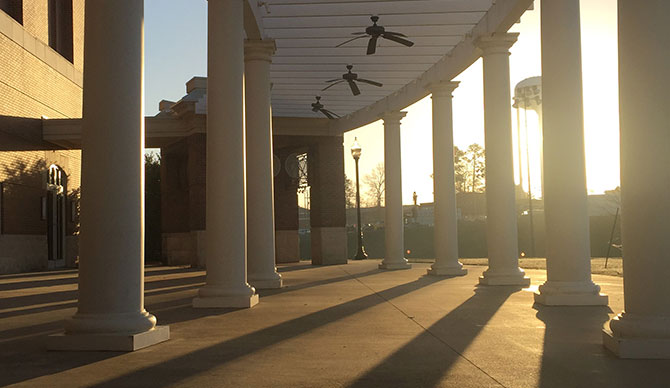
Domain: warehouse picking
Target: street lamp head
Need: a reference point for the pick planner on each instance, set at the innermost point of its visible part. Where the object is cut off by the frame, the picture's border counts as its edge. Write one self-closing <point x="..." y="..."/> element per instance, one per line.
<point x="356" y="149"/>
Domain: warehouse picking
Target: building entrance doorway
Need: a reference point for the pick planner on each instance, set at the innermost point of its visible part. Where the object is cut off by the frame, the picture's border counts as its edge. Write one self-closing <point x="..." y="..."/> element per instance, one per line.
<point x="55" y="209"/>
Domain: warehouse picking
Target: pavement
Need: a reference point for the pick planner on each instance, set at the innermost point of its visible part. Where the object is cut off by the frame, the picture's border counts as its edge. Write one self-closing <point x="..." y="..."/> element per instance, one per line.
<point x="348" y="325"/>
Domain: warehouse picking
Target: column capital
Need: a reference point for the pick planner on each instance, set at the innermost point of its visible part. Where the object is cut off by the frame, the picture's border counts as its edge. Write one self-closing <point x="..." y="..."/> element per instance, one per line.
<point x="393" y="117"/>
<point x="259" y="50"/>
<point x="442" y="88"/>
<point x="496" y="43"/>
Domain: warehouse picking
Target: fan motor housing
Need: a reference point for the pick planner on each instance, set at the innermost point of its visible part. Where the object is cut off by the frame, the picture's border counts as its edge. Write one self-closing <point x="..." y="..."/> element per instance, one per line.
<point x="375" y="30"/>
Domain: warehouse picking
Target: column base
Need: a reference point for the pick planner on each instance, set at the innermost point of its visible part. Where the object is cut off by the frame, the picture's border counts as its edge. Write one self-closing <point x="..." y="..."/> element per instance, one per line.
<point x="636" y="348"/>
<point x="447" y="271"/>
<point x="216" y="296"/>
<point x="266" y="284"/>
<point x="516" y="278"/>
<point x="287" y="246"/>
<point x="638" y="336"/>
<point x="108" y="342"/>
<point x="395" y="265"/>
<point x="557" y="293"/>
<point x="571" y="299"/>
<point x="329" y="245"/>
<point x="233" y="301"/>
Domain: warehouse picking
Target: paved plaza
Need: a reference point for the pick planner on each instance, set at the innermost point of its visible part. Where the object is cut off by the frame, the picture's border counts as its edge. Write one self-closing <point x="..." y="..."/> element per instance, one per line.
<point x="333" y="326"/>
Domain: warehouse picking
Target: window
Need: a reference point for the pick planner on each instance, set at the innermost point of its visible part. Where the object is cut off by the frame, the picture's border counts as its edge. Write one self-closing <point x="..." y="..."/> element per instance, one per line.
<point x="13" y="8"/>
<point x="60" y="27"/>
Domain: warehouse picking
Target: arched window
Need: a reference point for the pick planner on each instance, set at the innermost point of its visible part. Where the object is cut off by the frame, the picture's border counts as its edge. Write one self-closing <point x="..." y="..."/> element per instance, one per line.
<point x="56" y="179"/>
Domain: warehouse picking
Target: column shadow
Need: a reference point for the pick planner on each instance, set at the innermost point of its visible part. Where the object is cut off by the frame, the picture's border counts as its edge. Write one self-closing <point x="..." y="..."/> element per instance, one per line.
<point x="574" y="356"/>
<point x="424" y="361"/>
<point x="24" y="346"/>
<point x="297" y="267"/>
<point x="316" y="283"/>
<point x="200" y="361"/>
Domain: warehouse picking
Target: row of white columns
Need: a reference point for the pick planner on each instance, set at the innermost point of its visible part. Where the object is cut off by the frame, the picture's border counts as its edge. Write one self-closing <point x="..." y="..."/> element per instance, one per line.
<point x="643" y="330"/>
<point x="111" y="314"/>
<point x="501" y="207"/>
<point x="236" y="178"/>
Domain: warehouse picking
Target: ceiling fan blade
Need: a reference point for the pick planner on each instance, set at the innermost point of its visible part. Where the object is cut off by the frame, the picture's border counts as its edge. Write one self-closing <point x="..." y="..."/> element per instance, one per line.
<point x="372" y="45"/>
<point x="359" y="33"/>
<point x="398" y="40"/>
<point x="331" y="85"/>
<point x="331" y="112"/>
<point x="327" y="114"/>
<point x="333" y="80"/>
<point x="395" y="33"/>
<point x="354" y="88"/>
<point x="367" y="81"/>
<point x="350" y="40"/>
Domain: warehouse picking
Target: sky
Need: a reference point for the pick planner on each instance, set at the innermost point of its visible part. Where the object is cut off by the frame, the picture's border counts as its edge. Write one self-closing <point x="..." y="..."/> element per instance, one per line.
<point x="175" y="51"/>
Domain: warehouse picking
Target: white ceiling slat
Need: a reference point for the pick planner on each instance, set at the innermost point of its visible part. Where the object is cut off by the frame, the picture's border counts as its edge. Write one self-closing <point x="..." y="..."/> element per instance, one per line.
<point x="421" y="41"/>
<point x="307" y="31"/>
<point x="342" y="91"/>
<point x="280" y="76"/>
<point x="325" y="101"/>
<point x="338" y="68"/>
<point x="353" y="51"/>
<point x="288" y="31"/>
<point x="311" y="82"/>
<point x="330" y="97"/>
<point x="424" y="59"/>
<point x="318" y="88"/>
<point x="375" y="8"/>
<point x="391" y="22"/>
<point x="308" y="2"/>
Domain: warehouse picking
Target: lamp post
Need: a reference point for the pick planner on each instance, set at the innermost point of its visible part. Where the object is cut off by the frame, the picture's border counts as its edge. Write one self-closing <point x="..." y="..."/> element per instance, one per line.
<point x="360" y="252"/>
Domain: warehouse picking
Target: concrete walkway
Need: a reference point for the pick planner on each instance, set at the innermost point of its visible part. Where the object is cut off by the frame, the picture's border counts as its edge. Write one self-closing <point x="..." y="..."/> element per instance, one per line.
<point x="339" y="326"/>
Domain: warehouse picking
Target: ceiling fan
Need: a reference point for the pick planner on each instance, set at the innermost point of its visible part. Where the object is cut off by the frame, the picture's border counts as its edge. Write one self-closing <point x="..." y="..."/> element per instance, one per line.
<point x="351" y="79"/>
<point x="375" y="32"/>
<point x="318" y="107"/>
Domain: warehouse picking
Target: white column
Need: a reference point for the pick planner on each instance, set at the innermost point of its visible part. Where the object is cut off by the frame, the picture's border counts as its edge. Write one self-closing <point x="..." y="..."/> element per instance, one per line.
<point x="111" y="314"/>
<point x="226" y="284"/>
<point x="565" y="202"/>
<point x="394" y="257"/>
<point x="260" y="193"/>
<point x="446" y="222"/>
<point x="643" y="330"/>
<point x="501" y="217"/>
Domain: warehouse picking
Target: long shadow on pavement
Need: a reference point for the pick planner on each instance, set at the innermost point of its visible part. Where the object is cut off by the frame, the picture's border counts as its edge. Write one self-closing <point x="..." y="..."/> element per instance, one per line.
<point x="25" y="345"/>
<point x="295" y="267"/>
<point x="200" y="361"/>
<point x="574" y="355"/>
<point x="425" y="360"/>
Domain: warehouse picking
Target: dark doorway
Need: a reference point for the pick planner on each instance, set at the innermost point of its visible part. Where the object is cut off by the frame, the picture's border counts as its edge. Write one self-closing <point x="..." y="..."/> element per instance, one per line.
<point x="55" y="209"/>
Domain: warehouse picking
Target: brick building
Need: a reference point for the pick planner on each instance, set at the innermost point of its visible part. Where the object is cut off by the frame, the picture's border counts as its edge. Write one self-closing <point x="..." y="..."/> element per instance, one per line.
<point x="183" y="172"/>
<point x="41" y="63"/>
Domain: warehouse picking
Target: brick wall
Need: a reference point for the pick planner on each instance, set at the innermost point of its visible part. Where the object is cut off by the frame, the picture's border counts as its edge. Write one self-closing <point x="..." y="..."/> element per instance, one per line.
<point x="326" y="178"/>
<point x="30" y="89"/>
<point x="175" y="188"/>
<point x="36" y="18"/>
<point x="197" y="177"/>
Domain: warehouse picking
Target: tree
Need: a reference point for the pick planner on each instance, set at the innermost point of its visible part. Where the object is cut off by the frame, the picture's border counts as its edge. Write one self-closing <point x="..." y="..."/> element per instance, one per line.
<point x="375" y="181"/>
<point x="349" y="193"/>
<point x="475" y="166"/>
<point x="460" y="170"/>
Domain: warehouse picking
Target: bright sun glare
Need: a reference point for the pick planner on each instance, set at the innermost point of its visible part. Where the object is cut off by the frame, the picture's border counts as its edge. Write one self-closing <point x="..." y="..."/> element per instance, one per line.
<point x="601" y="119"/>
